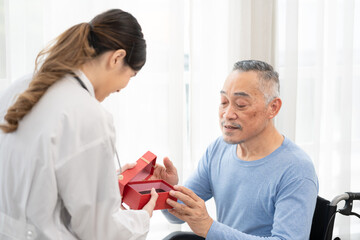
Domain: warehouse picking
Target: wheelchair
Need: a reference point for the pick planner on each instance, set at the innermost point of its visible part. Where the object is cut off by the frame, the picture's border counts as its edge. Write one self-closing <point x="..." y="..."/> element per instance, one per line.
<point x="322" y="223"/>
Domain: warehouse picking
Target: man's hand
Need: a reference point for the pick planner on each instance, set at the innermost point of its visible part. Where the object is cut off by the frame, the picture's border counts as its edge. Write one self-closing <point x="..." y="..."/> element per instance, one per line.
<point x="193" y="212"/>
<point x="167" y="173"/>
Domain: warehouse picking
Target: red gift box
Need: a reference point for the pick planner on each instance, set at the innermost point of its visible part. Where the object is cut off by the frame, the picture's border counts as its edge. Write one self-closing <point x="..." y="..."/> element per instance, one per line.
<point x="135" y="186"/>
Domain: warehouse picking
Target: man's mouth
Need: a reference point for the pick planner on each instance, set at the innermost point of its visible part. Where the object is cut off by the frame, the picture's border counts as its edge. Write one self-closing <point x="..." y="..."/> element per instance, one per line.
<point x="231" y="126"/>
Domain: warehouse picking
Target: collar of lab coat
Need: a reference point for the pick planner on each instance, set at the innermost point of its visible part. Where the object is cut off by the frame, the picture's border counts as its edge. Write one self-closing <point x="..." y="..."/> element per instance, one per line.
<point x="86" y="81"/>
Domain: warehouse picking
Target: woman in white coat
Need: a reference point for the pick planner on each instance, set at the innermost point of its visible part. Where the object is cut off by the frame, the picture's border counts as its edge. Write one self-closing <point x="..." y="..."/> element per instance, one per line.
<point x="57" y="144"/>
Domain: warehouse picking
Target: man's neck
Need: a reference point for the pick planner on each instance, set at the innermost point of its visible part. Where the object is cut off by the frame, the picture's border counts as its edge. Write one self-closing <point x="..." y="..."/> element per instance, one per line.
<point x="260" y="146"/>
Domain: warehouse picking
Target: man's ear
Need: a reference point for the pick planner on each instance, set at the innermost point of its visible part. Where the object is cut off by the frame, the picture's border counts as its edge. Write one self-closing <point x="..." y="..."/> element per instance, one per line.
<point x="117" y="57"/>
<point x="274" y="107"/>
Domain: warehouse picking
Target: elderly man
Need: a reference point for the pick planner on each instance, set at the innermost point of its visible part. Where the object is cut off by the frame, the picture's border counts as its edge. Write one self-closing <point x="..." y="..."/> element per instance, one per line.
<point x="264" y="185"/>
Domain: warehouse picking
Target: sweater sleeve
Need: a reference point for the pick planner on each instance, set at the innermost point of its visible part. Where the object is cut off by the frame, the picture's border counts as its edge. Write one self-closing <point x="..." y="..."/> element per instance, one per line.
<point x="199" y="183"/>
<point x="294" y="209"/>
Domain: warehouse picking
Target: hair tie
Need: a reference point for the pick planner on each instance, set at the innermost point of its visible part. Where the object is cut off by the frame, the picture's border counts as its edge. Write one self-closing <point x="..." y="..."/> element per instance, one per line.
<point x="91" y="26"/>
<point x="91" y="37"/>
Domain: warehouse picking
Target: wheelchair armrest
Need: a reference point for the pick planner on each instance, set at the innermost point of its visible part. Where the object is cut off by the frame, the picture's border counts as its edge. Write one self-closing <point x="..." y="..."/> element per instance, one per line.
<point x="179" y="235"/>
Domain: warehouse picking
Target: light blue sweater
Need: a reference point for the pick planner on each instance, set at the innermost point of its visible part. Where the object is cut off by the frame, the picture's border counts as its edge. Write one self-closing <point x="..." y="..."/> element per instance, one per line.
<point x="271" y="198"/>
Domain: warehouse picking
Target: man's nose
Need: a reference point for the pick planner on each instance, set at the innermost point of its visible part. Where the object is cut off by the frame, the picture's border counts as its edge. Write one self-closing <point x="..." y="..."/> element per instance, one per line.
<point x="229" y="113"/>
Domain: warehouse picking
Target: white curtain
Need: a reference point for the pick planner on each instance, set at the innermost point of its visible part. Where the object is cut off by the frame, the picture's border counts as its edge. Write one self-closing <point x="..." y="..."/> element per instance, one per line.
<point x="318" y="56"/>
<point x="171" y="107"/>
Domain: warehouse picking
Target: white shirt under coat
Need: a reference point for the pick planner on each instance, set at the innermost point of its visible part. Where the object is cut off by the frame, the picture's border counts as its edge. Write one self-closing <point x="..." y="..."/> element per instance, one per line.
<point x="57" y="173"/>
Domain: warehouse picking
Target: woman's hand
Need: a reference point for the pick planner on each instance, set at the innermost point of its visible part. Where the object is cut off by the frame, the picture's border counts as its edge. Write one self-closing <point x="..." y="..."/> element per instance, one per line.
<point x="168" y="173"/>
<point x="149" y="207"/>
<point x="125" y="167"/>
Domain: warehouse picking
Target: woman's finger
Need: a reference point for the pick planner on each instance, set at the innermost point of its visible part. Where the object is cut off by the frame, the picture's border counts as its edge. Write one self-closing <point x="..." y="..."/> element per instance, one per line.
<point x="149" y="207"/>
<point x="122" y="207"/>
<point x="128" y="166"/>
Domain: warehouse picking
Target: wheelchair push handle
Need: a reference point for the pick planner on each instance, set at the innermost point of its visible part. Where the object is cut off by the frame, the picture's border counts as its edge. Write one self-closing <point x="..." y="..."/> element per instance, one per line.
<point x="345" y="196"/>
<point x="354" y="195"/>
<point x="349" y="197"/>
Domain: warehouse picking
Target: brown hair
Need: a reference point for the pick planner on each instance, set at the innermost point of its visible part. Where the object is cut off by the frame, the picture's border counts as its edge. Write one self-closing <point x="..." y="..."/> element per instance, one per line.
<point x="111" y="30"/>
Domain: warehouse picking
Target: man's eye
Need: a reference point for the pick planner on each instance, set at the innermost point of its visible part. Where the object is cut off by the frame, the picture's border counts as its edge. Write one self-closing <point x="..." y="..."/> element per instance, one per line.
<point x="241" y="106"/>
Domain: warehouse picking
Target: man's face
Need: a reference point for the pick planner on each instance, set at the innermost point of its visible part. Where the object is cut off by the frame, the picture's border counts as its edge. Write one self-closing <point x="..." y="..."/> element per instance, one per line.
<point x="243" y="110"/>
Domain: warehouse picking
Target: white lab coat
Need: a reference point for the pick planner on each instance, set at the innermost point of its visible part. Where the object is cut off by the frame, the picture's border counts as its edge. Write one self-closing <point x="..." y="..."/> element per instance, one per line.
<point x="57" y="172"/>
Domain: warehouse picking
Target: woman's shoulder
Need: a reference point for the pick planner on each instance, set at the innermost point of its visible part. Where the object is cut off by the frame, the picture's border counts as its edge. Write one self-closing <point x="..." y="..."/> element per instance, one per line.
<point x="69" y="96"/>
<point x="71" y="106"/>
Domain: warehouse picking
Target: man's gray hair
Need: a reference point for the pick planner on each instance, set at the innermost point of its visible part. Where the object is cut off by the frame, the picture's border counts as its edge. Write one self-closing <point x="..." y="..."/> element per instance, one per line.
<point x="268" y="78"/>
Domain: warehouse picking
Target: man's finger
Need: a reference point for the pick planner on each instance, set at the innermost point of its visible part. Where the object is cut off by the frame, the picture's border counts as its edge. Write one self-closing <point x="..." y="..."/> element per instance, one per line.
<point x="178" y="215"/>
<point x="188" y="201"/>
<point x="178" y="207"/>
<point x="169" y="165"/>
<point x="187" y="192"/>
<point x="173" y="203"/>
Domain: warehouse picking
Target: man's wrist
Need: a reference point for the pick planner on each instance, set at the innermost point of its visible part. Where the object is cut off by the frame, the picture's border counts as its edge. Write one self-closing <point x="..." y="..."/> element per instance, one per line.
<point x="208" y="224"/>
